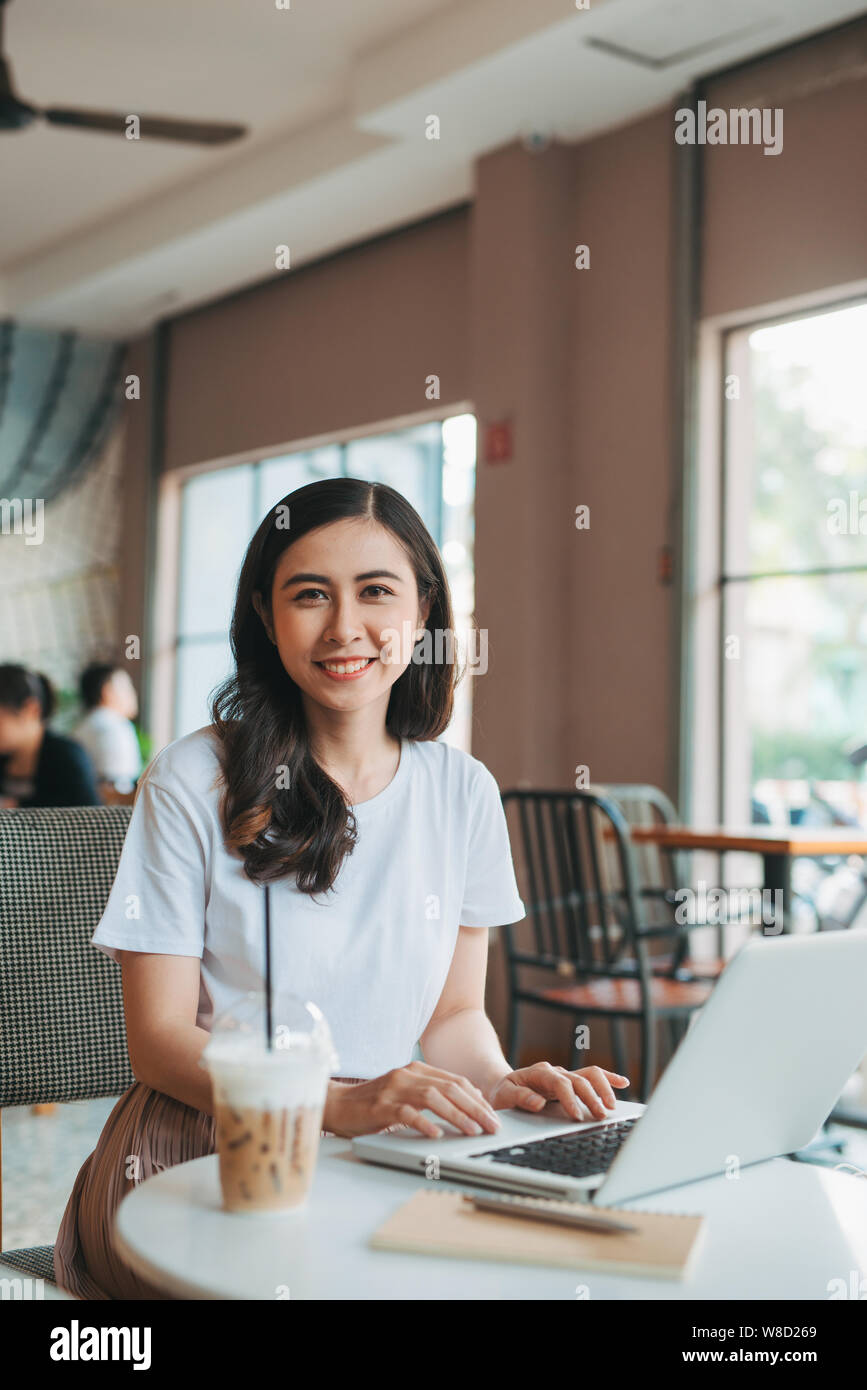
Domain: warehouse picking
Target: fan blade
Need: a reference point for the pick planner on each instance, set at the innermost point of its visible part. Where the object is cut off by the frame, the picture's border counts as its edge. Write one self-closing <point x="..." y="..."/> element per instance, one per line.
<point x="150" y="127"/>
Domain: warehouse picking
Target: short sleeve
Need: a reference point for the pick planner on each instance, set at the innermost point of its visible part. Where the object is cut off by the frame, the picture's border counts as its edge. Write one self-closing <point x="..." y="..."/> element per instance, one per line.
<point x="491" y="897"/>
<point x="157" y="902"/>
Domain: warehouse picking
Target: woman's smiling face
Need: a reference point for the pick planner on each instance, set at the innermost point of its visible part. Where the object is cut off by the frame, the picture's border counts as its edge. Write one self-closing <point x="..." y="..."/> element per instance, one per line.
<point x="338" y="594"/>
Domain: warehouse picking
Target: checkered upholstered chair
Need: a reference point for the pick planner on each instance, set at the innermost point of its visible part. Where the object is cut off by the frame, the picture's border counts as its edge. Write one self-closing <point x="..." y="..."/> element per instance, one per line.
<point x="62" y="1033"/>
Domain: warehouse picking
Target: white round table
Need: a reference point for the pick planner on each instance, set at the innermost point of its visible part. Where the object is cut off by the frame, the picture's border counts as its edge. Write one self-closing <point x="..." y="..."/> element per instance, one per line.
<point x="781" y="1230"/>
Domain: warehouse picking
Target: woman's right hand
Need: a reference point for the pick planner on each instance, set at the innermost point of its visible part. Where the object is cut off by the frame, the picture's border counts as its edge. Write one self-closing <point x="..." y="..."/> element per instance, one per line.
<point x="399" y="1097"/>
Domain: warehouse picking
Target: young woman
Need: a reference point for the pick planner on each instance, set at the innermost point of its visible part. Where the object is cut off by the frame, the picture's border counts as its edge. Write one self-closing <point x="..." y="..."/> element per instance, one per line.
<point x="37" y="766"/>
<point x="323" y="775"/>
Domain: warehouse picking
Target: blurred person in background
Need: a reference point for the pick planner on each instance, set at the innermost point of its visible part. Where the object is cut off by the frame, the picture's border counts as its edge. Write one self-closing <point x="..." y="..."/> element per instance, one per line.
<point x="107" y="731"/>
<point x="37" y="766"/>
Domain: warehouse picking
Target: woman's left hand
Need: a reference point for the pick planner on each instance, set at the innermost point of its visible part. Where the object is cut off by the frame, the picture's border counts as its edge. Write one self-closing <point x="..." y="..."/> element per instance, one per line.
<point x="531" y="1087"/>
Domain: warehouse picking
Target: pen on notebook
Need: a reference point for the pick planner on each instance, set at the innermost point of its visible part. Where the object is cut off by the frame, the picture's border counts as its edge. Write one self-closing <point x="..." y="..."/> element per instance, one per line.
<point x="512" y="1206"/>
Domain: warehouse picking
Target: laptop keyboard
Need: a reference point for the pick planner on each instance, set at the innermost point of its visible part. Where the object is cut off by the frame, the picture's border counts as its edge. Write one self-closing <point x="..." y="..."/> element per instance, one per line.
<point x="576" y="1155"/>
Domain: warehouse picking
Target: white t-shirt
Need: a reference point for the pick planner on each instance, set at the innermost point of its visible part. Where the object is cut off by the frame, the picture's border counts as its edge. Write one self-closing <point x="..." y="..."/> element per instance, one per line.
<point x="111" y="742"/>
<point x="432" y="855"/>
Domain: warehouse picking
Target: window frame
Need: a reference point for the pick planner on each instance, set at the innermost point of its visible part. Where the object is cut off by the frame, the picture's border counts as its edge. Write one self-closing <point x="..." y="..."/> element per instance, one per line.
<point x="703" y="693"/>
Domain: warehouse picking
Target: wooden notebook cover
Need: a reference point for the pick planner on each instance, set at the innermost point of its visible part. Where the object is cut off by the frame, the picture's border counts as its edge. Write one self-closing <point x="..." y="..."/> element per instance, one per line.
<point x="442" y="1223"/>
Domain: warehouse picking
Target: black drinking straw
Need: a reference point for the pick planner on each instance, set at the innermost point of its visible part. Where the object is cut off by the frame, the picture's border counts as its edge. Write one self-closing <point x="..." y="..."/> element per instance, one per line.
<point x="268" y="1042"/>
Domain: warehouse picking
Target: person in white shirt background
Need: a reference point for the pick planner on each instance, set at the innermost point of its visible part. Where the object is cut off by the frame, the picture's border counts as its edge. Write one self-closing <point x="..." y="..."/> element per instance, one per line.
<point x="323" y="775"/>
<point x="107" y="731"/>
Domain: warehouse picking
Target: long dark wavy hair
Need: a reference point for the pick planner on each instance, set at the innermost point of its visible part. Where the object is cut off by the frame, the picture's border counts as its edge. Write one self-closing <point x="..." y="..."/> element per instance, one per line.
<point x="305" y="827"/>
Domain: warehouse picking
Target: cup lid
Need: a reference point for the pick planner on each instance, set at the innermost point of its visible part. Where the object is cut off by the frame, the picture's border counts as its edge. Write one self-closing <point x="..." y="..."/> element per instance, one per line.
<point x="298" y="1028"/>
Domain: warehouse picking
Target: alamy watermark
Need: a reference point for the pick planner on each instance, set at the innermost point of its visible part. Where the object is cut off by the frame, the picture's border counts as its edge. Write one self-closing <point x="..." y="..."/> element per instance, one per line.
<point x="18" y="1287"/>
<point x="847" y="516"/>
<point x="441" y="647"/>
<point x="16" y="518"/>
<point x="739" y="126"/>
<point x="83" y="1343"/>
<point x="718" y="907"/>
<point x="854" y="1288"/>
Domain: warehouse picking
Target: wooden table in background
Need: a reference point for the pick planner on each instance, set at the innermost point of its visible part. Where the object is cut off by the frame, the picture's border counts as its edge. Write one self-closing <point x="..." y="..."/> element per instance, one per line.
<point x="778" y="846"/>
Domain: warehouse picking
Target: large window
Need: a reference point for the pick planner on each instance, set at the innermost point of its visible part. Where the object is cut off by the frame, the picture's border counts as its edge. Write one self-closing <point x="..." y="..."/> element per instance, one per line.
<point x="432" y="464"/>
<point x="794" y="569"/>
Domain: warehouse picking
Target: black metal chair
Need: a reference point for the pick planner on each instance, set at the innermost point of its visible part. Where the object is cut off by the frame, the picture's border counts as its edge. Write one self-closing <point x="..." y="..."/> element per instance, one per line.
<point x="575" y="859"/>
<point x="662" y="872"/>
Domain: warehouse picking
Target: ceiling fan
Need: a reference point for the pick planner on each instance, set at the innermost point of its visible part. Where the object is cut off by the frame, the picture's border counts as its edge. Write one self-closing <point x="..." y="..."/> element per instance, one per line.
<point x="17" y="115"/>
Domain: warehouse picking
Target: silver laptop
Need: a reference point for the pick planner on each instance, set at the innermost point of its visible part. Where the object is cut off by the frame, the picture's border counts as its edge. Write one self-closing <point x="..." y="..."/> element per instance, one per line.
<point x="757" y="1074"/>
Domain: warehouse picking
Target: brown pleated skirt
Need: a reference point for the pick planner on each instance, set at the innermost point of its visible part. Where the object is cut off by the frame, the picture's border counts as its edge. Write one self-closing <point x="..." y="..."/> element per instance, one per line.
<point x="145" y="1133"/>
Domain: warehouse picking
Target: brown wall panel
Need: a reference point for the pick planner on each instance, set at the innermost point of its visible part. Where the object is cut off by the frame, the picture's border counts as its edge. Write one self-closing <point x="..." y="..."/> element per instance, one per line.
<point x="780" y="226"/>
<point x="343" y="343"/>
<point x="620" y="631"/>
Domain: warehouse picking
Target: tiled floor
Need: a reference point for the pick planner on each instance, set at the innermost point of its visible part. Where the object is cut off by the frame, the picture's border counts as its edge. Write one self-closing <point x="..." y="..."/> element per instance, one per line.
<point x="41" y="1158"/>
<point x="43" y="1153"/>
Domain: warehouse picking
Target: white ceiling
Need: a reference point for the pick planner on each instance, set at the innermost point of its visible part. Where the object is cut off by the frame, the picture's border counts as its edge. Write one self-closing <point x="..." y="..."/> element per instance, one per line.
<point x="107" y="235"/>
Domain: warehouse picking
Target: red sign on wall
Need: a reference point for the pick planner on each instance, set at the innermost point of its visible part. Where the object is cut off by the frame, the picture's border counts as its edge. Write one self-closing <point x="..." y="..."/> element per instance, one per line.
<point x="497" y="447"/>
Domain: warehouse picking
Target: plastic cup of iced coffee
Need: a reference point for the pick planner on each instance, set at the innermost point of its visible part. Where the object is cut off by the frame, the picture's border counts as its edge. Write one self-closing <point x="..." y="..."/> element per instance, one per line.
<point x="268" y="1101"/>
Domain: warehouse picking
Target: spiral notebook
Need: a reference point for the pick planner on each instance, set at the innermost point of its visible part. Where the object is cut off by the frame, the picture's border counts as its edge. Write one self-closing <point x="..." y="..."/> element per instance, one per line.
<point x="442" y="1223"/>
